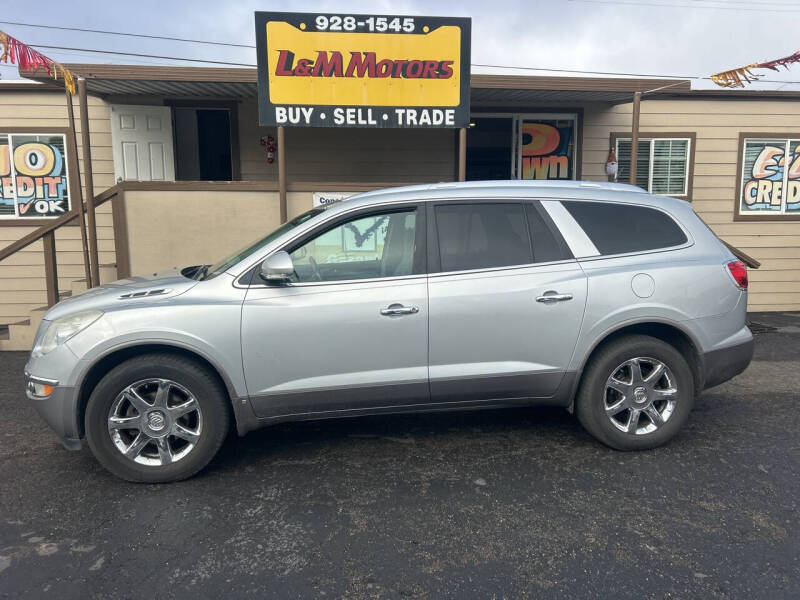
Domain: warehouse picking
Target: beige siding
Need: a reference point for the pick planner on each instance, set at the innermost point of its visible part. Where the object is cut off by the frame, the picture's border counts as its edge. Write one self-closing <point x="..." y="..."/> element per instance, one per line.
<point x="390" y="156"/>
<point x="22" y="275"/>
<point x="221" y="224"/>
<point x="717" y="124"/>
<point x="349" y="155"/>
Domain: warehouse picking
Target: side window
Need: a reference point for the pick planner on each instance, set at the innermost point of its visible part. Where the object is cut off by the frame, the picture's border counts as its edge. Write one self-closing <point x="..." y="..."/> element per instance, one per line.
<point x="547" y="246"/>
<point x="480" y="236"/>
<point x="621" y="228"/>
<point x="379" y="245"/>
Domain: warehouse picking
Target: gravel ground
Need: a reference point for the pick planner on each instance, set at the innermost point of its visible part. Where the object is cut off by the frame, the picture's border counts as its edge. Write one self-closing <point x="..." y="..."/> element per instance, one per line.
<point x="494" y="504"/>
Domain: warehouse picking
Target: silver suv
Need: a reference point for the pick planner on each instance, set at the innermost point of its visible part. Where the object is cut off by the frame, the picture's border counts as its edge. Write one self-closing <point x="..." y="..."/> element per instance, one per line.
<point x="616" y="304"/>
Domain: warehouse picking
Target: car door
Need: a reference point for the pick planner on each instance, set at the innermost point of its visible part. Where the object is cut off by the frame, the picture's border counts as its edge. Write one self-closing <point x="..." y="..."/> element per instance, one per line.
<point x="506" y="301"/>
<point x="350" y="331"/>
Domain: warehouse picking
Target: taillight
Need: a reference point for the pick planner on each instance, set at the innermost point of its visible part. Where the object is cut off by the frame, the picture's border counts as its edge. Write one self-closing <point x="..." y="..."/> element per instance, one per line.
<point x="738" y="271"/>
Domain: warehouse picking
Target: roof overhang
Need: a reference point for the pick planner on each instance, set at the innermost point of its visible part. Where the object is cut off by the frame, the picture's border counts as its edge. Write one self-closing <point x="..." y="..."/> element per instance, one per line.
<point x="494" y="90"/>
<point x="486" y="90"/>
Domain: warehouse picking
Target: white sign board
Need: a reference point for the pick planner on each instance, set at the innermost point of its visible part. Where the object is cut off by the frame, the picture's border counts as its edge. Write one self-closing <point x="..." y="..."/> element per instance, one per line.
<point x="325" y="198"/>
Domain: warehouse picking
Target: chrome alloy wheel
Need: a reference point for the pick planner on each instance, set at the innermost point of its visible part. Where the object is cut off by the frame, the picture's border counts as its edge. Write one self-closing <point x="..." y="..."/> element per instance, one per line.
<point x="640" y="395"/>
<point x="155" y="422"/>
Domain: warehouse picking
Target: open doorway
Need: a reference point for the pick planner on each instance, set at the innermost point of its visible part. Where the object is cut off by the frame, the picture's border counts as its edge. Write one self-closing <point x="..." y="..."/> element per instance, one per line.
<point x="204" y="143"/>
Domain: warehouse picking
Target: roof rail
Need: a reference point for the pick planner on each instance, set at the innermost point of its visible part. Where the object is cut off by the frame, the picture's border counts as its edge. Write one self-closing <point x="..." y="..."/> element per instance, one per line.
<point x="539" y="183"/>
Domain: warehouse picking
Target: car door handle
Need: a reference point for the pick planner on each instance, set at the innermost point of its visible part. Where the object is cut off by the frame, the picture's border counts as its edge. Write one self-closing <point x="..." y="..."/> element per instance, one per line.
<point x="399" y="309"/>
<point x="551" y="296"/>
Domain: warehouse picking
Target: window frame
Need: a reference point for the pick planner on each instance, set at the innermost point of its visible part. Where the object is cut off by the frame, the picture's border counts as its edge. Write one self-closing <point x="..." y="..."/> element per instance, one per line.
<point x="419" y="266"/>
<point x="773" y="215"/>
<point x="434" y="259"/>
<point x="691" y="137"/>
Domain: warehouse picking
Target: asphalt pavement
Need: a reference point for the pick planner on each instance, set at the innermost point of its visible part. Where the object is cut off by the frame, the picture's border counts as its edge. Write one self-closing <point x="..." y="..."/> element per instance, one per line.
<point x="493" y="504"/>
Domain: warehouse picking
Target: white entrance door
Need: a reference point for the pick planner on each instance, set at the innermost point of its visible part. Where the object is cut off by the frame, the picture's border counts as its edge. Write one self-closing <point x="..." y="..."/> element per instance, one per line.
<point x="142" y="139"/>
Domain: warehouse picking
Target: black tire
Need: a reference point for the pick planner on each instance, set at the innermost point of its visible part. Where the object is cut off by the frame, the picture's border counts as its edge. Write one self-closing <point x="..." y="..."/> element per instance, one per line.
<point x="591" y="401"/>
<point x="203" y="385"/>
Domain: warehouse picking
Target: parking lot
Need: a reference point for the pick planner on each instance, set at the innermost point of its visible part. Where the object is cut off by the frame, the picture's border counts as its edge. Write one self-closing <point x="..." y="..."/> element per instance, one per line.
<point x="494" y="504"/>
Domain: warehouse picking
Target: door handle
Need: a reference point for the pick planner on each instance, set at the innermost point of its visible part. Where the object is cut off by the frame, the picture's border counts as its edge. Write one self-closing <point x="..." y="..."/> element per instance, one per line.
<point x="399" y="309"/>
<point x="551" y="297"/>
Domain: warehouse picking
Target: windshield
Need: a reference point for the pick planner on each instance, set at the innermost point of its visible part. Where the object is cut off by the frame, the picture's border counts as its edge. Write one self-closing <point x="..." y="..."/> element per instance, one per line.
<point x="212" y="271"/>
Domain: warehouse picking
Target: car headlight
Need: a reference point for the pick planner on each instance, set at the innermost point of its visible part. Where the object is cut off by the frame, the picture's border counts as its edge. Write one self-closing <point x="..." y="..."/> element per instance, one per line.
<point x="60" y="330"/>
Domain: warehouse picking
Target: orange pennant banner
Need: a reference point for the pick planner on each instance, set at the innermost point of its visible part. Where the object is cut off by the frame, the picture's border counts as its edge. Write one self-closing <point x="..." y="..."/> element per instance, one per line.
<point x="30" y="59"/>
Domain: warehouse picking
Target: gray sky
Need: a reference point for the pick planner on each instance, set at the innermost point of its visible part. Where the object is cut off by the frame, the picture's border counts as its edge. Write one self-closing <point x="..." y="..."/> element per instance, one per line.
<point x="660" y="37"/>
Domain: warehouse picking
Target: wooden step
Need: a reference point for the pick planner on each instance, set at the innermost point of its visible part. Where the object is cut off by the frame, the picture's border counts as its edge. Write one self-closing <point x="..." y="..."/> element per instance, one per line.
<point x="22" y="333"/>
<point x="78" y="286"/>
<point x="19" y="336"/>
<point x="108" y="273"/>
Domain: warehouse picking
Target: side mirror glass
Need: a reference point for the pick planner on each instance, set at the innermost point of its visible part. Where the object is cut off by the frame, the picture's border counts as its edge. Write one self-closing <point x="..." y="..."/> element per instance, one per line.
<point x="278" y="268"/>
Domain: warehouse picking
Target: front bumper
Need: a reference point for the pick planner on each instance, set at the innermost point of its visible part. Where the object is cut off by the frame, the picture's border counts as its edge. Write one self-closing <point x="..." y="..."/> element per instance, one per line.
<point x="726" y="363"/>
<point x="58" y="409"/>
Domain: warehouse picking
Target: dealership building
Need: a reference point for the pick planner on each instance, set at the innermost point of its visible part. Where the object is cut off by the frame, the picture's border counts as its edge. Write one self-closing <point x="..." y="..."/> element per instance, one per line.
<point x="182" y="173"/>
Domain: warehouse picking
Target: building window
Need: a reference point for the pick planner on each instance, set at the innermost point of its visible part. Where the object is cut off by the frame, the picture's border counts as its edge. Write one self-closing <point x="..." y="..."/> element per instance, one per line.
<point x="33" y="175"/>
<point x="662" y="167"/>
<point x="546" y="147"/>
<point x="769" y="178"/>
<point x="539" y="146"/>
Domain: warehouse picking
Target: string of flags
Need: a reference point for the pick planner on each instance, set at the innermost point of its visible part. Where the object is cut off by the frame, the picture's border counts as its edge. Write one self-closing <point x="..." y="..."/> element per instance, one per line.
<point x="30" y="59"/>
<point x="738" y="77"/>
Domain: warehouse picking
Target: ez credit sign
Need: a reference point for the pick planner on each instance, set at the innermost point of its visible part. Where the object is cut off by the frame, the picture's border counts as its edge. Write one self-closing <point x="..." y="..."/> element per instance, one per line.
<point x="329" y="70"/>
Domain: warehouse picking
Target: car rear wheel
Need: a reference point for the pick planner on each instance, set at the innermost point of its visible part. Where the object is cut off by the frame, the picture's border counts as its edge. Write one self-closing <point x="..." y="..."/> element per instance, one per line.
<point x="636" y="393"/>
<point x="156" y="418"/>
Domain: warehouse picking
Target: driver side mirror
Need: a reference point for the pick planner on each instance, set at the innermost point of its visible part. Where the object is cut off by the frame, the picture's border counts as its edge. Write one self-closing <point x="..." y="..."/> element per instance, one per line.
<point x="278" y="268"/>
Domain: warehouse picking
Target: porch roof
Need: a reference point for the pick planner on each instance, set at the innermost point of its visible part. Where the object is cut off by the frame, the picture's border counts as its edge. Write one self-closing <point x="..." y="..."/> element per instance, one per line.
<point x="486" y="90"/>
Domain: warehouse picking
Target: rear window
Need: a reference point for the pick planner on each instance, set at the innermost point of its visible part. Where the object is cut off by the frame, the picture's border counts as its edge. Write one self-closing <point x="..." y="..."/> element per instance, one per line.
<point x="620" y="228"/>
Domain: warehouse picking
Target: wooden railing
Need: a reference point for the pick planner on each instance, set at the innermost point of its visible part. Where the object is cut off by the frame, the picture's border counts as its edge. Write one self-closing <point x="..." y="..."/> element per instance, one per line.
<point x="46" y="233"/>
<point x="116" y="194"/>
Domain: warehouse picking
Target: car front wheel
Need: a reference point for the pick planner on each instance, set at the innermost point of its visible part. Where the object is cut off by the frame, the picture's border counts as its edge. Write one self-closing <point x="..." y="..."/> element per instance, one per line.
<point x="156" y="418"/>
<point x="636" y="393"/>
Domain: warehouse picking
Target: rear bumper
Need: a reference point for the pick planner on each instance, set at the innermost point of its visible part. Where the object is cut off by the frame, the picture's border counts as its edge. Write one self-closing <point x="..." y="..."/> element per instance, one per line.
<point x="726" y="363"/>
